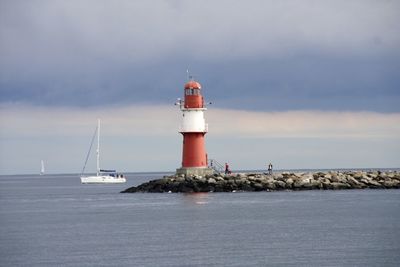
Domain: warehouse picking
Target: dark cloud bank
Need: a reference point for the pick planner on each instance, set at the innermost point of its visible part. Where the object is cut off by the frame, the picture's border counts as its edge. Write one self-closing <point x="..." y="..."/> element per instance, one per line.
<point x="254" y="57"/>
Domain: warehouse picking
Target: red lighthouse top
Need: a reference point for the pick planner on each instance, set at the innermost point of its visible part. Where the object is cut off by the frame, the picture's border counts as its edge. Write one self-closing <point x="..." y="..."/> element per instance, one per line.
<point x="193" y="97"/>
<point x="192" y="85"/>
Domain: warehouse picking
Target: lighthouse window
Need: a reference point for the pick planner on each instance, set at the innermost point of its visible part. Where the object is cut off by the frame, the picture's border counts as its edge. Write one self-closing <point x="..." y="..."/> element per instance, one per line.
<point x="192" y="92"/>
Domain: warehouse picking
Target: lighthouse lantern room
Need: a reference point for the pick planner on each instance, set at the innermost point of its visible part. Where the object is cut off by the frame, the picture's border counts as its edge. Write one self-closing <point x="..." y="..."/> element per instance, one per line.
<point x="193" y="129"/>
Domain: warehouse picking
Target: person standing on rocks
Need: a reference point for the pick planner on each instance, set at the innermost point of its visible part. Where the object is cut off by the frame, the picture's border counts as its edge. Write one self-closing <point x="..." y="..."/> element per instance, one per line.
<point x="227" y="171"/>
<point x="270" y="168"/>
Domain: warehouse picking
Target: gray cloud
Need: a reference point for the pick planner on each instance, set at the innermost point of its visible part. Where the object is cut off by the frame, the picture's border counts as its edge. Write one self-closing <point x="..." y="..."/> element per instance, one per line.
<point x="332" y="54"/>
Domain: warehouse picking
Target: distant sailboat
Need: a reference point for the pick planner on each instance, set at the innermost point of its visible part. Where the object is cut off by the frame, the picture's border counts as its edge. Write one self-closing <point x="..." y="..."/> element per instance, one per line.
<point x="102" y="176"/>
<point x="42" y="167"/>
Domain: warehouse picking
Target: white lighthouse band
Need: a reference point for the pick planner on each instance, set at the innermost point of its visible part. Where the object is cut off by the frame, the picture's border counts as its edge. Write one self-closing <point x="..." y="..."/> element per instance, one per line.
<point x="193" y="120"/>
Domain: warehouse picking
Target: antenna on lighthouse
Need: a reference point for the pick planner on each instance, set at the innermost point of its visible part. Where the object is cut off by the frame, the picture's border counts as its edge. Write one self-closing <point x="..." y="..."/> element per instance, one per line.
<point x="189" y="77"/>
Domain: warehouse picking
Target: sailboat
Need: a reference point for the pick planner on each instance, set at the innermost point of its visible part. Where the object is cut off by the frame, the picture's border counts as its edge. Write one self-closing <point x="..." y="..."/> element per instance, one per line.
<point x="42" y="167"/>
<point x="102" y="176"/>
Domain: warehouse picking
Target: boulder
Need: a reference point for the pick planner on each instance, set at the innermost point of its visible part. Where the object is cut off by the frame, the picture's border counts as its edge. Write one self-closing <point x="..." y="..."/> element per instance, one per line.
<point x="389" y="184"/>
<point x="318" y="175"/>
<point x="307" y="177"/>
<point x="289" y="181"/>
<point x="270" y="186"/>
<point x="298" y="184"/>
<point x="336" y="186"/>
<point x="374" y="184"/>
<point x="251" y="177"/>
<point x="245" y="187"/>
<point x="186" y="189"/>
<point x="373" y="175"/>
<point x="358" y="175"/>
<point x="241" y="175"/>
<point x="257" y="187"/>
<point x="280" y="184"/>
<point x="211" y="181"/>
<point x="316" y="184"/>
<point x="354" y="183"/>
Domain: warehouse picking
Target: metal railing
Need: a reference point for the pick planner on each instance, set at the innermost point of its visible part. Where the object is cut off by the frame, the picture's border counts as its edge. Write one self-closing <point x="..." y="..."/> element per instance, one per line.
<point x="216" y="166"/>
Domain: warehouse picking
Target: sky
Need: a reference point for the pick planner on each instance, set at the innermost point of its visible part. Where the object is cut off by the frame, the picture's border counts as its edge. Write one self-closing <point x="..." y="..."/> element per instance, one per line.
<point x="302" y="84"/>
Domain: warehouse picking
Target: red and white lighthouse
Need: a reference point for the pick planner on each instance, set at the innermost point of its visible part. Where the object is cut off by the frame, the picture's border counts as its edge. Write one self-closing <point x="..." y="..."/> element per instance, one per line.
<point x="193" y="129"/>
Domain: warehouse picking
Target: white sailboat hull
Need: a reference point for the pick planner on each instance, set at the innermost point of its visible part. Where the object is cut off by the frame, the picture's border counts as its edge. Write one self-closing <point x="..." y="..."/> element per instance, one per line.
<point x="102" y="179"/>
<point x="102" y="176"/>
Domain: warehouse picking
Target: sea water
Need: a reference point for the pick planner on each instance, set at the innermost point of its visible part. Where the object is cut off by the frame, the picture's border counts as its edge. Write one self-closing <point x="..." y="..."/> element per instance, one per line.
<point x="54" y="220"/>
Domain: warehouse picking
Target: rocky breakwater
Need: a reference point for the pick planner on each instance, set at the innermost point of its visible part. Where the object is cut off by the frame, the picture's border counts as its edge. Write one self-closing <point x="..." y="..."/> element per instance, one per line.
<point x="332" y="180"/>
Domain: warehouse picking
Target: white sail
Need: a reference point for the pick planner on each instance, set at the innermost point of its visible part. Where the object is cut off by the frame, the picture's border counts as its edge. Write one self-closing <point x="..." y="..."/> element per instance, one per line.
<point x="42" y="167"/>
<point x="102" y="176"/>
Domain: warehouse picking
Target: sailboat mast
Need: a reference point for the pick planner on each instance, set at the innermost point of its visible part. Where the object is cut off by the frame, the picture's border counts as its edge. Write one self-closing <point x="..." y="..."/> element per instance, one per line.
<point x="98" y="147"/>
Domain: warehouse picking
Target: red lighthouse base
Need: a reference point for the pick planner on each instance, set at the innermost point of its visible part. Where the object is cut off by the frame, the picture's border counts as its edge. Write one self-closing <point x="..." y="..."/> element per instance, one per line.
<point x="194" y="153"/>
<point x="194" y="158"/>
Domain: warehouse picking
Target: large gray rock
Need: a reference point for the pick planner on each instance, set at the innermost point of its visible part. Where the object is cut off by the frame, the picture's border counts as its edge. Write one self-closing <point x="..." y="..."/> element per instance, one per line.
<point x="389" y="183"/>
<point x="258" y="187"/>
<point x="270" y="186"/>
<point x="354" y="183"/>
<point x="289" y="181"/>
<point x="358" y="175"/>
<point x="336" y="186"/>
<point x="299" y="184"/>
<point x="316" y="184"/>
<point x="280" y="184"/>
<point x="374" y="184"/>
<point x="211" y="181"/>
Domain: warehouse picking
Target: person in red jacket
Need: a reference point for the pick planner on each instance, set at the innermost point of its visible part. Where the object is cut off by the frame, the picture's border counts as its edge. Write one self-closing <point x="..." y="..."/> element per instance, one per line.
<point x="227" y="171"/>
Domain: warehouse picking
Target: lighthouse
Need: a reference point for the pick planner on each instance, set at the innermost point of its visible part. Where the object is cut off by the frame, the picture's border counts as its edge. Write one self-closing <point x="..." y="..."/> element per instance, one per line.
<point x="193" y="130"/>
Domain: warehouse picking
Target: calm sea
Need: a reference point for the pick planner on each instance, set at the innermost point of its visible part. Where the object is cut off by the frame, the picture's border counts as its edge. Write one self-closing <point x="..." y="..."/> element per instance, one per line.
<point x="53" y="220"/>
